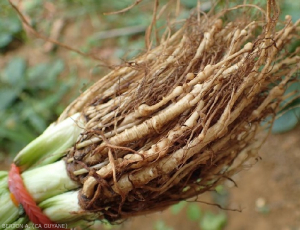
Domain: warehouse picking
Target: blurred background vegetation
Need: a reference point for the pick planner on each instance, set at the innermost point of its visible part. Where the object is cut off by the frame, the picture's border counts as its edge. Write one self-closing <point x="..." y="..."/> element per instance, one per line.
<point x="39" y="79"/>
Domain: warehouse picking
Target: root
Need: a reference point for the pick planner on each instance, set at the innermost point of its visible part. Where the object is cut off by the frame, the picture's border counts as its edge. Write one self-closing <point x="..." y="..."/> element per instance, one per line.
<point x="178" y="120"/>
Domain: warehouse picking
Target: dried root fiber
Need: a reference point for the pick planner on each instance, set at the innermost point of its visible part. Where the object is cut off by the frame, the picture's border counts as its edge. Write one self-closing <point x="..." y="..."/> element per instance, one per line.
<point x="171" y="124"/>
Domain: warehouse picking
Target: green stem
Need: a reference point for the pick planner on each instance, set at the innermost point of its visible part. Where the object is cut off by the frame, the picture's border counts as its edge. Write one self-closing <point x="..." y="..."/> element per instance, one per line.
<point x="52" y="144"/>
<point x="8" y="211"/>
<point x="64" y="209"/>
<point x="42" y="183"/>
<point x="48" y="181"/>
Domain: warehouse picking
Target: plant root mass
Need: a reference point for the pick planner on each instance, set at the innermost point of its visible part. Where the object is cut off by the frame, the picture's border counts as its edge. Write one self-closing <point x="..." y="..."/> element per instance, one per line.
<point x="183" y="117"/>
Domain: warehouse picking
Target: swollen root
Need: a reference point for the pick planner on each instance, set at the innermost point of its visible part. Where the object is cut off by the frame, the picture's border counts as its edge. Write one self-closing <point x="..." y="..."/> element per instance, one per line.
<point x="183" y="117"/>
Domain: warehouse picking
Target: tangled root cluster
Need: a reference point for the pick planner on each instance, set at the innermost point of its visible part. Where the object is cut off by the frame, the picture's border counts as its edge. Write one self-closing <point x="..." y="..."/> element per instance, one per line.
<point x="170" y="125"/>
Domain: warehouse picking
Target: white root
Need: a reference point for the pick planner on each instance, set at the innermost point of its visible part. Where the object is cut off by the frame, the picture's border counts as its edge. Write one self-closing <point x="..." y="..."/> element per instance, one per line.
<point x="215" y="102"/>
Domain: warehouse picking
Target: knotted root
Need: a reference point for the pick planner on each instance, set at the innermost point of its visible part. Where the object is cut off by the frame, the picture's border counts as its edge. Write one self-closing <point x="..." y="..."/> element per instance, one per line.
<point x="183" y="117"/>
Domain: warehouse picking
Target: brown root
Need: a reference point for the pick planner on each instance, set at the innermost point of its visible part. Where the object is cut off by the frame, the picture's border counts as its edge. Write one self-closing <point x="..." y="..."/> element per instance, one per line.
<point x="183" y="117"/>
